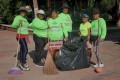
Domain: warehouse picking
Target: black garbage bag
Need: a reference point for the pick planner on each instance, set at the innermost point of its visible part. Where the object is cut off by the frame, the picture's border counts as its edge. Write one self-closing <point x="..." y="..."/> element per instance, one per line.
<point x="73" y="55"/>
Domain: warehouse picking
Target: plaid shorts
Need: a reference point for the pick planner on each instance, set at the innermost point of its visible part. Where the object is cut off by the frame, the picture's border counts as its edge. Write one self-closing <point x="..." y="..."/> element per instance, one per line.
<point x="57" y="44"/>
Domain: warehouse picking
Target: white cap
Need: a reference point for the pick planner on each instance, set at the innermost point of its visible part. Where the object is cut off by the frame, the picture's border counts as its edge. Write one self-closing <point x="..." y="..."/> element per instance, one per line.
<point x="41" y="12"/>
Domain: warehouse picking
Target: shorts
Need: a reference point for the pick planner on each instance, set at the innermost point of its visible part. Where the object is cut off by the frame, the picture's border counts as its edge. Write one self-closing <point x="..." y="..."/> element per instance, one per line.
<point x="57" y="44"/>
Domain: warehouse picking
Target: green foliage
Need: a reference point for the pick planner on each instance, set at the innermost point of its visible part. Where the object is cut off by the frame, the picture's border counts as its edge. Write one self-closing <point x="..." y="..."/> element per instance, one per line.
<point x="8" y="9"/>
<point x="106" y="5"/>
<point x="91" y="3"/>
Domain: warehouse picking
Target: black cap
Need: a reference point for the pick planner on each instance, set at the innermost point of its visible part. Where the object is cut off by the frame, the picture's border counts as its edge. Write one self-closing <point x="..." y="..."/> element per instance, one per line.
<point x="22" y="9"/>
<point x="65" y="6"/>
<point x="96" y="11"/>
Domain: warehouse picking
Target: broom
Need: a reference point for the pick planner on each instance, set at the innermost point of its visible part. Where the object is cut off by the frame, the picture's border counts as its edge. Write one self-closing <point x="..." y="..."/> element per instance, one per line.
<point x="49" y="67"/>
<point x="15" y="69"/>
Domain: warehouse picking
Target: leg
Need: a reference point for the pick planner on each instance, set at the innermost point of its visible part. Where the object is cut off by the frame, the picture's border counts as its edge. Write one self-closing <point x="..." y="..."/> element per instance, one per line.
<point x="39" y="45"/>
<point x="89" y="46"/>
<point x="97" y="54"/>
<point x="89" y="53"/>
<point x="99" y="62"/>
<point x="24" y="49"/>
<point x="69" y="35"/>
<point x="22" y="54"/>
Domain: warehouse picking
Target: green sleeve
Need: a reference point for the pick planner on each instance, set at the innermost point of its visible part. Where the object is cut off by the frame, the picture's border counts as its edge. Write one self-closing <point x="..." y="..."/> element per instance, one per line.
<point x="39" y="25"/>
<point x="65" y="33"/>
<point x="103" y="29"/>
<point x="15" y="23"/>
<point x="30" y="25"/>
<point x="89" y="25"/>
<point x="61" y="18"/>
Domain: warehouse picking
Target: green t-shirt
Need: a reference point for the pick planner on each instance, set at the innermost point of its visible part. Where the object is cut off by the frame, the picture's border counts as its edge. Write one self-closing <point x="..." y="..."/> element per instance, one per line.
<point x="84" y="28"/>
<point x="56" y="31"/>
<point x="102" y="28"/>
<point x="39" y="27"/>
<point x="66" y="21"/>
<point x="24" y="27"/>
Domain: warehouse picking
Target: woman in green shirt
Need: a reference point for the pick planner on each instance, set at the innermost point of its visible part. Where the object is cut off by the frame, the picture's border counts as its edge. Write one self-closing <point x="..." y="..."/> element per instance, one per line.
<point x="85" y="31"/>
<point x="39" y="26"/>
<point x="21" y="23"/>
<point x="66" y="19"/>
<point x="56" y="32"/>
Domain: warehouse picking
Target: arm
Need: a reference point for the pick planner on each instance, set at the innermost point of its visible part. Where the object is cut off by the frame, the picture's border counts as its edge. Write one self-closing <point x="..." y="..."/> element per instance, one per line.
<point x="64" y="32"/>
<point x="16" y="23"/>
<point x="39" y="25"/>
<point x="30" y="25"/>
<point x="79" y="31"/>
<point x="89" y="30"/>
<point x="103" y="30"/>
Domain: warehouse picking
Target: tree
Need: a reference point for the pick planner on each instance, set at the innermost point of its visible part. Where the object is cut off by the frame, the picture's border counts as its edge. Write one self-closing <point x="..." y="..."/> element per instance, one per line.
<point x="105" y="5"/>
<point x="35" y="3"/>
<point x="8" y="9"/>
<point x="118" y="13"/>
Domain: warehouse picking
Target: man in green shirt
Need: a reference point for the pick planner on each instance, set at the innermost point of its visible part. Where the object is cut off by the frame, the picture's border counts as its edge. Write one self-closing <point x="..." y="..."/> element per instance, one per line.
<point x="39" y="36"/>
<point x="66" y="19"/>
<point x="98" y="34"/>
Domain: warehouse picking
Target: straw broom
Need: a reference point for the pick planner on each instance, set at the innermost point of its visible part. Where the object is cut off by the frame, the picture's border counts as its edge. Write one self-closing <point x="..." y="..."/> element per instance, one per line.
<point x="49" y="67"/>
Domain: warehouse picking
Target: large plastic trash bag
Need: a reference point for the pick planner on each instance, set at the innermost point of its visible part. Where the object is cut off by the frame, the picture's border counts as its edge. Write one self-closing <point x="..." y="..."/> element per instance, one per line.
<point x="73" y="55"/>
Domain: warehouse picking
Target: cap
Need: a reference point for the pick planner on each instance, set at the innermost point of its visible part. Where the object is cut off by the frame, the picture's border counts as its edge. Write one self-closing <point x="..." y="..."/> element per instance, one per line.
<point x="96" y="11"/>
<point x="65" y="6"/>
<point x="41" y="12"/>
<point x="22" y="9"/>
<point x="85" y="16"/>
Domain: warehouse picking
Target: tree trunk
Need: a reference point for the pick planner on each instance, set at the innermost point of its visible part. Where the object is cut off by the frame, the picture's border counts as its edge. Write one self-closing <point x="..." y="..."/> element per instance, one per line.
<point x="35" y="3"/>
<point x="118" y="23"/>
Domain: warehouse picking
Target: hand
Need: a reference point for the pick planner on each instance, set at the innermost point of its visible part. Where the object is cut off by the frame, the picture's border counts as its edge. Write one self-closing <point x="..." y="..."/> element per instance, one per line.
<point x="99" y="40"/>
<point x="66" y="38"/>
<point x="79" y="33"/>
<point x="88" y="38"/>
<point x="20" y="21"/>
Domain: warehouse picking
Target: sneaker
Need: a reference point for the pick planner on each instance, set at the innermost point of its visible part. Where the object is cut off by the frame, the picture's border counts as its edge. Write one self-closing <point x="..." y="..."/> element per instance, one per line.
<point x="40" y="64"/>
<point x="25" y="65"/>
<point x="22" y="67"/>
<point x="99" y="65"/>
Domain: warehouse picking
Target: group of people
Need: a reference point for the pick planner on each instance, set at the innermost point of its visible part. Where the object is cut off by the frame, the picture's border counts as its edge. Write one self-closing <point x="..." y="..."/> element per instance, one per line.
<point x="56" y="29"/>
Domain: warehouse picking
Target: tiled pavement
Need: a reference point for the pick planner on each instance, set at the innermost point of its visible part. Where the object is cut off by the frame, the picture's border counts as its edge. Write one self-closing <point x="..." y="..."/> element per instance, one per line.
<point x="110" y="51"/>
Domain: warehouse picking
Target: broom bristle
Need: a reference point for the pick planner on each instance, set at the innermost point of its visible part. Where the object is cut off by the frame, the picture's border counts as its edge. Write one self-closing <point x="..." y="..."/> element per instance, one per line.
<point x="50" y="67"/>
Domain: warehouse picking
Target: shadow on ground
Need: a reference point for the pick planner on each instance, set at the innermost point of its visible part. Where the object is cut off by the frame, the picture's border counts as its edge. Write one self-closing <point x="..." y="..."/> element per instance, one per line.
<point x="43" y="55"/>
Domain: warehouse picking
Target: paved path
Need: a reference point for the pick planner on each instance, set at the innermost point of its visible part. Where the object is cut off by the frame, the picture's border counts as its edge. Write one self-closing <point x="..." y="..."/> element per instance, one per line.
<point x="110" y="52"/>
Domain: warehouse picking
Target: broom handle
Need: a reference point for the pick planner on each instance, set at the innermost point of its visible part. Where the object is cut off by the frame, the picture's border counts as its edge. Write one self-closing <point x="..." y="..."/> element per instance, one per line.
<point x="48" y="35"/>
<point x="16" y="60"/>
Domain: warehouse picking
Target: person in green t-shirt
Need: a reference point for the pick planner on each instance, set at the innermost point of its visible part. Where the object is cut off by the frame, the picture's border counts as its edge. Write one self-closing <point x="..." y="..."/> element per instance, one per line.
<point x="66" y="19"/>
<point x="85" y="31"/>
<point x="21" y="23"/>
<point x="98" y="34"/>
<point x="39" y="36"/>
<point x="56" y="32"/>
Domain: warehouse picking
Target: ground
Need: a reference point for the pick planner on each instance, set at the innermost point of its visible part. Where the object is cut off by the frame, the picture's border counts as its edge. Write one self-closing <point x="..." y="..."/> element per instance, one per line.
<point x="109" y="49"/>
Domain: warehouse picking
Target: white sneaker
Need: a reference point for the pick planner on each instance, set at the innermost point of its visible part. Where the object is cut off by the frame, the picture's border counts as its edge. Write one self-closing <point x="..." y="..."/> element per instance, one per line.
<point x="99" y="65"/>
<point x="26" y="65"/>
<point x="22" y="67"/>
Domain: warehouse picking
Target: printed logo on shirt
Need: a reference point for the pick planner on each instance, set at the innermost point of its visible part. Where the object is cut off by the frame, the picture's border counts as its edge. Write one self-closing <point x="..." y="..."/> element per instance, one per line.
<point x="24" y="28"/>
